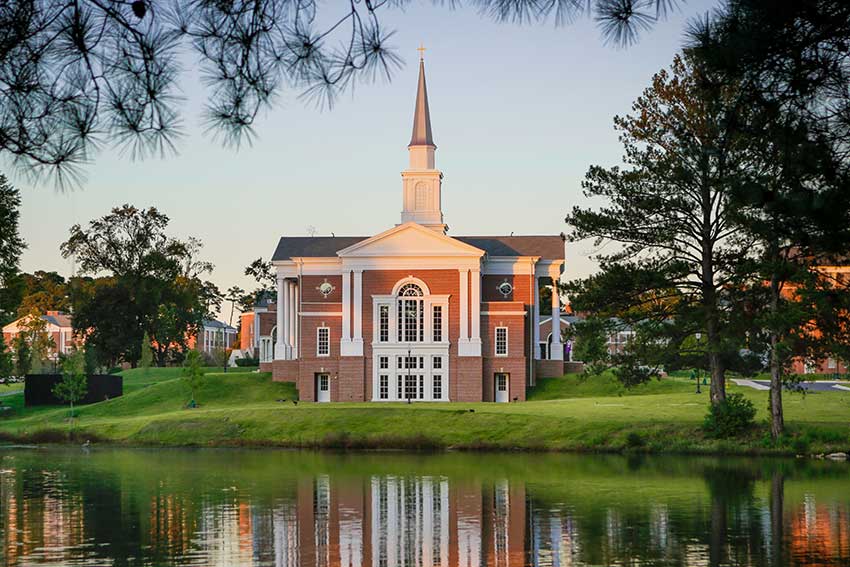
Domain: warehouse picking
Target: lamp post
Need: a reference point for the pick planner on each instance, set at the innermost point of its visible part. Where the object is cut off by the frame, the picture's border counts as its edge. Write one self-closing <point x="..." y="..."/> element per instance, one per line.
<point x="699" y="337"/>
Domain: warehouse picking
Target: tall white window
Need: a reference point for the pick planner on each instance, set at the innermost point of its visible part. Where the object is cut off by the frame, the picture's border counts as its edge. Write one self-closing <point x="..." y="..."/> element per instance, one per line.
<point x="411" y="324"/>
<point x="501" y="341"/>
<point x="384" y="386"/>
<point x="437" y="321"/>
<point x="323" y="341"/>
<point x="384" y="323"/>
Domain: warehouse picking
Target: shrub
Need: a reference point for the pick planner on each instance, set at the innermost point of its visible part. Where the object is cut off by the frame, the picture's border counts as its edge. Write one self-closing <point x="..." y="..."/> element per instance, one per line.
<point x="634" y="440"/>
<point x="247" y="361"/>
<point x="801" y="445"/>
<point x="729" y="418"/>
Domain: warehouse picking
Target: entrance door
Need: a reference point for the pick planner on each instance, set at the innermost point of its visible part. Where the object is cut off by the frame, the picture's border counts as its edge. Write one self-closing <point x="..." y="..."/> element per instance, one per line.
<point x="323" y="388"/>
<point x="502" y="387"/>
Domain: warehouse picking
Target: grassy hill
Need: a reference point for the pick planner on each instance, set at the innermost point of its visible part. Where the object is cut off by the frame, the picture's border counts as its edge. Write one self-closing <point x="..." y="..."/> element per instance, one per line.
<point x="571" y="413"/>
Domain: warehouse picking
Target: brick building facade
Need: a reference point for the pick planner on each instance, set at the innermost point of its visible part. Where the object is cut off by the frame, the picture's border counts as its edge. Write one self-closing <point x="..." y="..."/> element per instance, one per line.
<point x="411" y="313"/>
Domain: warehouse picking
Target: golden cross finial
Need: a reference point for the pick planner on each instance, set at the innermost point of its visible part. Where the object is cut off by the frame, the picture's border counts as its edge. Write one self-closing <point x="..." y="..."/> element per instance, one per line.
<point x="421" y="50"/>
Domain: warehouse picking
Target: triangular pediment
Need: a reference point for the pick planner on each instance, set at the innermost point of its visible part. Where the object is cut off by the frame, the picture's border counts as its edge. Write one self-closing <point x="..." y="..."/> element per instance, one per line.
<point x="410" y="239"/>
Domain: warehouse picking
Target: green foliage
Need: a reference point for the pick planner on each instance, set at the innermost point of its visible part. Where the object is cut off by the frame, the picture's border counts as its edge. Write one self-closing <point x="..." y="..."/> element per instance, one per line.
<point x="730" y="417"/>
<point x="74" y="384"/>
<point x="7" y="365"/>
<point x="193" y="373"/>
<point x="146" y="356"/>
<point x="247" y="361"/>
<point x="11" y="247"/>
<point x="23" y="355"/>
<point x="590" y="338"/>
<point x="154" y="286"/>
<point x="635" y="440"/>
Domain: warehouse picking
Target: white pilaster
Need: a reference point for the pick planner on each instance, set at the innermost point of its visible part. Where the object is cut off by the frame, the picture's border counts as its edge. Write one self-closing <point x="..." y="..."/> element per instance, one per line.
<point x="280" y="344"/>
<point x="357" y="341"/>
<point x="536" y="323"/>
<point x="557" y="350"/>
<point x="475" y="312"/>
<point x="346" y="347"/>
<point x="463" y="345"/>
<point x="297" y="314"/>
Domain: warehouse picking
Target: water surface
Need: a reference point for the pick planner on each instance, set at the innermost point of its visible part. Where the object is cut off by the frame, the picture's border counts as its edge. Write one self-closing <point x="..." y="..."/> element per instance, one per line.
<point x="208" y="507"/>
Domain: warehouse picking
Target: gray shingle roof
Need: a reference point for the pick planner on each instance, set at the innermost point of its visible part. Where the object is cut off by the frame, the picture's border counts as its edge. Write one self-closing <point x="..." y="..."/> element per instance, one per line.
<point x="547" y="247"/>
<point x="217" y="325"/>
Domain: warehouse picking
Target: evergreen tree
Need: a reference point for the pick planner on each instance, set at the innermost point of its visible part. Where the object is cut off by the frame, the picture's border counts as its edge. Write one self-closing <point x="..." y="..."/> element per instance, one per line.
<point x="669" y="212"/>
<point x="11" y="247"/>
<point x="146" y="354"/>
<point x="193" y="374"/>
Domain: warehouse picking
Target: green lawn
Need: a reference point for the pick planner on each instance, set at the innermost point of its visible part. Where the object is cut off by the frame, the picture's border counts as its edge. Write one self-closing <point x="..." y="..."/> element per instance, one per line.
<point x="571" y="413"/>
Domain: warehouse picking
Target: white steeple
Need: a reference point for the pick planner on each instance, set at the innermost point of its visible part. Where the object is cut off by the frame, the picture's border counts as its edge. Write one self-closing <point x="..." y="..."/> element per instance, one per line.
<point x="422" y="182"/>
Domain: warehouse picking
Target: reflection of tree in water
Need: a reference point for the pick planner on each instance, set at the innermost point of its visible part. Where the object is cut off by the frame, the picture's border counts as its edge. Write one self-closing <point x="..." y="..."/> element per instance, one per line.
<point x="731" y="490"/>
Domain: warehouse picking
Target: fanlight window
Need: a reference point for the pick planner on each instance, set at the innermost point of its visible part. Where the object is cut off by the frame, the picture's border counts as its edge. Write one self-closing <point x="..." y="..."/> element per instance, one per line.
<point x="410" y="290"/>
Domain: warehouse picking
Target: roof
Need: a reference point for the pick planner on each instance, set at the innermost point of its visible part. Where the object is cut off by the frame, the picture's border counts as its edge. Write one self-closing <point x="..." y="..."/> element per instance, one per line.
<point x="217" y="325"/>
<point x="547" y="247"/>
<point x="421" y="135"/>
<point x="58" y="318"/>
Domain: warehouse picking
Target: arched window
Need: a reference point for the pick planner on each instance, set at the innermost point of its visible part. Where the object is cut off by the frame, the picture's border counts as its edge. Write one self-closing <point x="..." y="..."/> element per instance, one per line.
<point x="411" y="314"/>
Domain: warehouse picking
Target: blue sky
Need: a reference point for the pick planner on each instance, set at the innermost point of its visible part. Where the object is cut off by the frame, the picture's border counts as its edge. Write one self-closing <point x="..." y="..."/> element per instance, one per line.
<point x="518" y="114"/>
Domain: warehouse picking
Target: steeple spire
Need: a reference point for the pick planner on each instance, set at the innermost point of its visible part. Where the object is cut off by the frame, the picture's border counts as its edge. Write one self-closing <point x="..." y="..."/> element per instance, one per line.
<point x="422" y="202"/>
<point x="421" y="115"/>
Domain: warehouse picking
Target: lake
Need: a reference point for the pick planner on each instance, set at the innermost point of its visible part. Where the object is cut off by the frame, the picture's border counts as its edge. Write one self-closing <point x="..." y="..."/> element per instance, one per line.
<point x="204" y="507"/>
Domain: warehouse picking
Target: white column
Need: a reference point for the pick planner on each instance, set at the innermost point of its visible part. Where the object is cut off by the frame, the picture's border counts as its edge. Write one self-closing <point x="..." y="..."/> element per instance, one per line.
<point x="280" y="345"/>
<point x="292" y="310"/>
<point x="358" y="313"/>
<point x="557" y="350"/>
<point x="287" y="318"/>
<point x="296" y="333"/>
<point x="536" y="322"/>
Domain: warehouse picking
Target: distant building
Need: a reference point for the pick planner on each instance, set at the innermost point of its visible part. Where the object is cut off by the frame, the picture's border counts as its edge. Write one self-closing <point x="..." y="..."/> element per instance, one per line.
<point x="58" y="327"/>
<point x="213" y="335"/>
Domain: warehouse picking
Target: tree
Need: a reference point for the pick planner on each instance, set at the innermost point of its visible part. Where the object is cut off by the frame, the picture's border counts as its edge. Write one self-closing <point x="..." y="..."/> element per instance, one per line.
<point x="263" y="273"/>
<point x="74" y="384"/>
<point x="791" y="60"/>
<point x="43" y="291"/>
<point x="76" y="74"/>
<point x="669" y="213"/>
<point x="153" y="284"/>
<point x="146" y="356"/>
<point x="7" y="365"/>
<point x="11" y="246"/>
<point x="32" y="328"/>
<point x="193" y="374"/>
<point x="23" y="355"/>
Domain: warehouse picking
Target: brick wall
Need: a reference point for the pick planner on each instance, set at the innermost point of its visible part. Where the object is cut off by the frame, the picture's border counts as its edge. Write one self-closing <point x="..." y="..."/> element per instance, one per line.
<point x="515" y="367"/>
<point x="467" y="383"/>
<point x="352" y="387"/>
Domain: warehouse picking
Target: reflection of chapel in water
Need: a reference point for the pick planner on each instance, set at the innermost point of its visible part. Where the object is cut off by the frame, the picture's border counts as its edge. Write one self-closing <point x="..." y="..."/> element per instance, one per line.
<point x="402" y="521"/>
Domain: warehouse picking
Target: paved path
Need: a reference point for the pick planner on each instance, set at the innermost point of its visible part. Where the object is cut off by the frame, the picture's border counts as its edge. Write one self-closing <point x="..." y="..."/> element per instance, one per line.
<point x="815" y="386"/>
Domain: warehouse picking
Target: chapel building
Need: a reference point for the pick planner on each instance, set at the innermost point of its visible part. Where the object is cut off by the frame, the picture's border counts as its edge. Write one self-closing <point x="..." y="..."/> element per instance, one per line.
<point x="413" y="313"/>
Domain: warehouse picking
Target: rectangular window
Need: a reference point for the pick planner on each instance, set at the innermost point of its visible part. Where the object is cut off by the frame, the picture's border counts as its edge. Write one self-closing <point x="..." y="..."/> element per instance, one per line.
<point x="501" y="341"/>
<point x="437" y="321"/>
<point x="384" y="323"/>
<point x="410" y="387"/>
<point x="400" y="394"/>
<point x="438" y="362"/>
<point x="438" y="387"/>
<point x="323" y="341"/>
<point x="421" y="387"/>
<point x="383" y="387"/>
<point x="384" y="362"/>
<point x="400" y="360"/>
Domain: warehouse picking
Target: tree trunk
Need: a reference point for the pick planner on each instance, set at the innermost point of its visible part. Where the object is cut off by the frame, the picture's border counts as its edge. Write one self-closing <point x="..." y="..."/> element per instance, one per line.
<point x="777" y="523"/>
<point x="777" y="420"/>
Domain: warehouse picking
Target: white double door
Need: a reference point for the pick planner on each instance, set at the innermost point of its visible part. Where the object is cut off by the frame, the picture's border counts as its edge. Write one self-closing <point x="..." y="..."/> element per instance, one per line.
<point x="411" y="374"/>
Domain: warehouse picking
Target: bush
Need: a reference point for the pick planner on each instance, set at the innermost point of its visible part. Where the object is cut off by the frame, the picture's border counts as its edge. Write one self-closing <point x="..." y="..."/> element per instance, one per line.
<point x="634" y="440"/>
<point x="801" y="445"/>
<point x="730" y="417"/>
<point x="247" y="361"/>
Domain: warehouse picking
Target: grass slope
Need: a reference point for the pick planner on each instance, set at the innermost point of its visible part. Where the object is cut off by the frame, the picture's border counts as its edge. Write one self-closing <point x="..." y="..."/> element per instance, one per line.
<point x="241" y="408"/>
